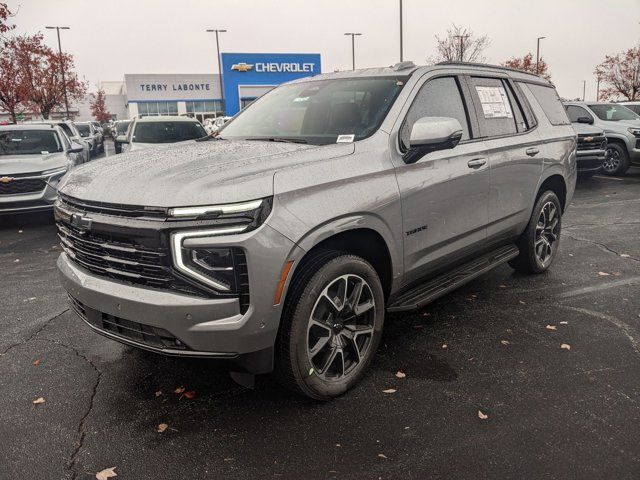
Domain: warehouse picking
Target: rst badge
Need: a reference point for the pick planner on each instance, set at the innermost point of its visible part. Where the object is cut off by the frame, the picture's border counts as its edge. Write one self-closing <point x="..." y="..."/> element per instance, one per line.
<point x="81" y="222"/>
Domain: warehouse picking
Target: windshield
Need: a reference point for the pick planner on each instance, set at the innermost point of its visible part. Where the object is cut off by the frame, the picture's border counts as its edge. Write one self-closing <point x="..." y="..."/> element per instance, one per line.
<point x="84" y="129"/>
<point x="167" y="132"/>
<point x="317" y="112"/>
<point x="121" y="127"/>
<point x="29" y="142"/>
<point x="613" y="112"/>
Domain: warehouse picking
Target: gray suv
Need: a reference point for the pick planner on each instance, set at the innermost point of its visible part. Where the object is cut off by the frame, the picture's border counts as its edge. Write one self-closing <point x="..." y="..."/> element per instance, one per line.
<point x="621" y="126"/>
<point x="281" y="243"/>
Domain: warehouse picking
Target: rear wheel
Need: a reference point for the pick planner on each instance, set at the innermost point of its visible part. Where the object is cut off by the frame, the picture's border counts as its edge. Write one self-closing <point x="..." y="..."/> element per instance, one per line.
<point x="540" y="241"/>
<point x="331" y="326"/>
<point x="616" y="161"/>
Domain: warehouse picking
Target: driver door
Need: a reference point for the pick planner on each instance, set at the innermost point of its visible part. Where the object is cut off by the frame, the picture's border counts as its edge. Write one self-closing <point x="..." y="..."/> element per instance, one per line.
<point x="445" y="193"/>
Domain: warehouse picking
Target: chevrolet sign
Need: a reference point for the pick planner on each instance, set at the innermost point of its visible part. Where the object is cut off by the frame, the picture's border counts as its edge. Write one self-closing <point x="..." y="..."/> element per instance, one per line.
<point x="288" y="67"/>
<point x="242" y="67"/>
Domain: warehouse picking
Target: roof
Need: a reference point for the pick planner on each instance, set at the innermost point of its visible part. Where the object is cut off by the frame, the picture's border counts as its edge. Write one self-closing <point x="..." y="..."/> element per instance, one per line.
<point x="166" y="118"/>
<point x="405" y="69"/>
<point x="27" y="126"/>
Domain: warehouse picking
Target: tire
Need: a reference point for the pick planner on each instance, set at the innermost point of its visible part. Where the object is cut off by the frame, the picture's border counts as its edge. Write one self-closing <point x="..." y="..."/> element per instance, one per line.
<point x="304" y="348"/>
<point x="616" y="161"/>
<point x="540" y="241"/>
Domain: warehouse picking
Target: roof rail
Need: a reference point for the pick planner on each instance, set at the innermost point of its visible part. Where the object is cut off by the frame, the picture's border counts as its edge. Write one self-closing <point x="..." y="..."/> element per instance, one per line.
<point x="477" y="64"/>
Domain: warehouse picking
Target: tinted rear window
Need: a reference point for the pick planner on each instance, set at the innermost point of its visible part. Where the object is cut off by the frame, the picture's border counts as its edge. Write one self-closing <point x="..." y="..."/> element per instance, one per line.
<point x="548" y="99"/>
<point x="168" y="132"/>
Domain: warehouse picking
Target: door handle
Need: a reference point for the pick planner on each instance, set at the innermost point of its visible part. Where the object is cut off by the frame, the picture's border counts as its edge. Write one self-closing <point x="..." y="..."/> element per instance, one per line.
<point x="476" y="162"/>
<point x="532" y="152"/>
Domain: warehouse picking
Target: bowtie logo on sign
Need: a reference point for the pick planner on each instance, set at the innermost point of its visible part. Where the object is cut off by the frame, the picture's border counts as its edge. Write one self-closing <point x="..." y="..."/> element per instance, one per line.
<point x="242" y="67"/>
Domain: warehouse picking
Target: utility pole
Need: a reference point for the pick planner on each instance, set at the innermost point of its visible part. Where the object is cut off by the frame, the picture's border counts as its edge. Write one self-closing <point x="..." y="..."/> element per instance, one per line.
<point x="460" y="38"/>
<point x="217" y="31"/>
<point x="538" y="55"/>
<point x="64" y="82"/>
<point x="401" y="30"/>
<point x="353" y="49"/>
<point x="584" y="88"/>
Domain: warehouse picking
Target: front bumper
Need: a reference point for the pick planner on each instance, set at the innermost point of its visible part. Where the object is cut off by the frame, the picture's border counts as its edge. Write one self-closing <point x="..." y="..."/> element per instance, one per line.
<point x="590" y="160"/>
<point x="31" y="202"/>
<point x="203" y="327"/>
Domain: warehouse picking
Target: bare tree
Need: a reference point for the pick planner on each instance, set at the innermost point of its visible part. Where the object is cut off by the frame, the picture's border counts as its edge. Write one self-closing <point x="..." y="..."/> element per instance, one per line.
<point x="460" y="44"/>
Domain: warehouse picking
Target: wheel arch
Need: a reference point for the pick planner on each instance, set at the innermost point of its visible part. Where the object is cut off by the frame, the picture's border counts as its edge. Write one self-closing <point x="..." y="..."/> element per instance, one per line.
<point x="557" y="184"/>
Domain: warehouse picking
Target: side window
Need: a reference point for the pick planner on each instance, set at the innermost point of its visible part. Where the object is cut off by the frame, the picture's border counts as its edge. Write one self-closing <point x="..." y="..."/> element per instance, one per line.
<point x="574" y="112"/>
<point x="498" y="112"/>
<point x="66" y="143"/>
<point x="548" y="99"/>
<point x="439" y="97"/>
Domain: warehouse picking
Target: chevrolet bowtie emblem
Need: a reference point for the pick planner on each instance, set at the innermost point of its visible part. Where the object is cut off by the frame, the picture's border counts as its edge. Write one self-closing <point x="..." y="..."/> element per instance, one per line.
<point x="588" y="139"/>
<point x="6" y="179"/>
<point x="242" y="67"/>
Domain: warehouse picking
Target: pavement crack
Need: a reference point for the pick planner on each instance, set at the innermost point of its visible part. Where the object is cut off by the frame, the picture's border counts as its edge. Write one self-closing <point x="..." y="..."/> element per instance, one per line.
<point x="34" y="334"/>
<point x="625" y="328"/>
<point x="602" y="246"/>
<point x="73" y="459"/>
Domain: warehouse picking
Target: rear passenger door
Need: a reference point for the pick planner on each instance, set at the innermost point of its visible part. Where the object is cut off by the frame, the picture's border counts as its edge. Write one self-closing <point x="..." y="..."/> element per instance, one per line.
<point x="444" y="194"/>
<point x="508" y="128"/>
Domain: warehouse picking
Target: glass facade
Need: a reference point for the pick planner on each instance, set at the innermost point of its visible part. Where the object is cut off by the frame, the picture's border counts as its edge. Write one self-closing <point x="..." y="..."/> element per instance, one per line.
<point x="204" y="106"/>
<point x="152" y="109"/>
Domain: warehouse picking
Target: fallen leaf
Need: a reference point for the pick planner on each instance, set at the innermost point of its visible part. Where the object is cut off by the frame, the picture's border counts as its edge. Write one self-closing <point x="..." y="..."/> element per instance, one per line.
<point x="17" y="260"/>
<point x="616" y="274"/>
<point x="389" y="390"/>
<point x="19" y="231"/>
<point x="551" y="327"/>
<point x="179" y="390"/>
<point x="426" y="314"/>
<point x="400" y="374"/>
<point x="190" y="394"/>
<point x="36" y="362"/>
<point x="505" y="342"/>
<point x="311" y="371"/>
<point x="338" y="445"/>
<point x="444" y="345"/>
<point x="503" y="286"/>
<point x="482" y="416"/>
<point x="106" y="473"/>
<point x="38" y="401"/>
<point x="564" y="323"/>
<point x="521" y="302"/>
<point x="229" y="459"/>
<point x="603" y="274"/>
<point x="625" y="255"/>
<point x="565" y="346"/>
<point x="158" y="393"/>
<point x="382" y="455"/>
<point x="162" y="427"/>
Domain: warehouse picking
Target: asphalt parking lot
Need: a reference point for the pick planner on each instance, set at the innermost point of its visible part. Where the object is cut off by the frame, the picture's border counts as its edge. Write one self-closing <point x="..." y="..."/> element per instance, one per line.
<point x="552" y="361"/>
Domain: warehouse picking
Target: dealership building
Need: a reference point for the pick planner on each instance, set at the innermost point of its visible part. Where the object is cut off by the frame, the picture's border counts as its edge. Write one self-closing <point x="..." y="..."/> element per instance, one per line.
<point x="245" y="77"/>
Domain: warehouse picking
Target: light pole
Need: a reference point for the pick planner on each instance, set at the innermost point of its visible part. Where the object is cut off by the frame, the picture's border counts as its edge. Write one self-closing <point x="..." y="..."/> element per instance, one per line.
<point x="584" y="88"/>
<point x="217" y="31"/>
<point x="401" y="30"/>
<point x="460" y="37"/>
<point x="353" y="48"/>
<point x="64" y="82"/>
<point x="538" y="55"/>
<point x="598" y="89"/>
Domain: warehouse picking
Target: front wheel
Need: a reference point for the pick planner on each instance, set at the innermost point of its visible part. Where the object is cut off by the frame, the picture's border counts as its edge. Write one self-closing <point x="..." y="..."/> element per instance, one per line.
<point x="331" y="325"/>
<point x="616" y="161"/>
<point x="540" y="241"/>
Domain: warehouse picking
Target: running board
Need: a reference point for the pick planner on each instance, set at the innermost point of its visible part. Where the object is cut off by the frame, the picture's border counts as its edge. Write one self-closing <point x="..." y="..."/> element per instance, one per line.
<point x="427" y="292"/>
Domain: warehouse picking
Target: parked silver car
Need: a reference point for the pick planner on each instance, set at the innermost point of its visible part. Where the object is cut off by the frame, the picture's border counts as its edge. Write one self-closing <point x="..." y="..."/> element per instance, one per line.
<point x="281" y="243"/>
<point x="33" y="159"/>
<point x="72" y="132"/>
<point x="148" y="132"/>
<point x="620" y="125"/>
<point x="92" y="136"/>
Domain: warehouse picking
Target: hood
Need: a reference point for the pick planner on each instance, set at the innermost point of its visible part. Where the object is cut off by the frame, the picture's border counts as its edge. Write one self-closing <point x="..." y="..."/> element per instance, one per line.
<point x="587" y="129"/>
<point x="21" y="164"/>
<point x="141" y="146"/>
<point x="203" y="173"/>
<point x="619" y="126"/>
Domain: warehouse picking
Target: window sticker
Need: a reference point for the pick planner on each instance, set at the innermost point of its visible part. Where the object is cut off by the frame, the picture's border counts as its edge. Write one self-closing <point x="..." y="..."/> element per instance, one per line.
<point x="345" y="138"/>
<point x="495" y="103"/>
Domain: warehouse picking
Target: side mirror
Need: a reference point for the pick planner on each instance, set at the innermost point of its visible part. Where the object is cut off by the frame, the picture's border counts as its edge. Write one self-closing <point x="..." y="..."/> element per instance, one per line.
<point x="75" y="148"/>
<point x="588" y="120"/>
<point x="122" y="139"/>
<point x="430" y="134"/>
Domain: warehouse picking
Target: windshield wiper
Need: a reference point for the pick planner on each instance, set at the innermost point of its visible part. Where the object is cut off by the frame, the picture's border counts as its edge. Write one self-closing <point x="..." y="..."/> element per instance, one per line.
<point x="279" y="139"/>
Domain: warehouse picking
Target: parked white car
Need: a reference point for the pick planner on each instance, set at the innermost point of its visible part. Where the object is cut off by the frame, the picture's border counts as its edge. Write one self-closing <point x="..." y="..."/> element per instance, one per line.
<point x="72" y="132"/>
<point x="147" y="132"/>
<point x="33" y="159"/>
<point x="89" y="133"/>
<point x="212" y="125"/>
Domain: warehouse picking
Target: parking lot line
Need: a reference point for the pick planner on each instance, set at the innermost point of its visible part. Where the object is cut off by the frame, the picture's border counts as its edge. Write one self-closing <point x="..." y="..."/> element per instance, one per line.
<point x="609" y="178"/>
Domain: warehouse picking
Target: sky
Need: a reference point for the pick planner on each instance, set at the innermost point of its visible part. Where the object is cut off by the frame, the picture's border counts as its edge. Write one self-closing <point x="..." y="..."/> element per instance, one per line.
<point x="114" y="37"/>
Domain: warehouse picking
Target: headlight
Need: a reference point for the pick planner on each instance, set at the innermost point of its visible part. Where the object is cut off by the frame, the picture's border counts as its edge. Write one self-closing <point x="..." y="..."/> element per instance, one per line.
<point x="212" y="266"/>
<point x="634" y="131"/>
<point x="215" y="210"/>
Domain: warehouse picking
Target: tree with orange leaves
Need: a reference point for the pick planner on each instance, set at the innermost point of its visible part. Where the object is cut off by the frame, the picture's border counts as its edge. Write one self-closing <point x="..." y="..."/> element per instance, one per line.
<point x="528" y="64"/>
<point x="620" y="75"/>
